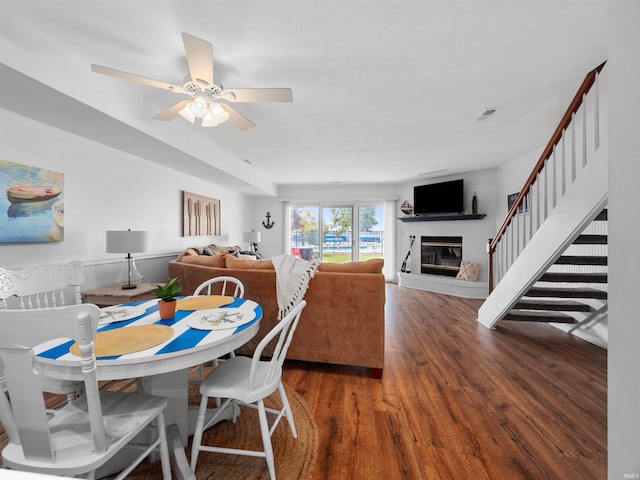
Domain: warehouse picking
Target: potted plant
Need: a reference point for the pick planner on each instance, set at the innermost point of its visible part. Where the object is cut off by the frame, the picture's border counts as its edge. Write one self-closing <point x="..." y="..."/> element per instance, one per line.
<point x="167" y="293"/>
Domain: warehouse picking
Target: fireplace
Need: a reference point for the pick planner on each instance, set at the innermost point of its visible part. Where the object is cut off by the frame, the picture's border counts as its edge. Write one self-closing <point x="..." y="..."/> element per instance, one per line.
<point x="440" y="255"/>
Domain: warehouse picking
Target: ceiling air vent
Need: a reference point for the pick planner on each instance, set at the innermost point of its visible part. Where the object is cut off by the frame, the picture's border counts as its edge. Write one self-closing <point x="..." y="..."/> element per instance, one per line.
<point x="486" y="114"/>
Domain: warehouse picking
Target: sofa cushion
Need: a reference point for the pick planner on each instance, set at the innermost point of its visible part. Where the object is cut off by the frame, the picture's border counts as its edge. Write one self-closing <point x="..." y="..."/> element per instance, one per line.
<point x="217" y="260"/>
<point x="223" y="249"/>
<point x="468" y="271"/>
<point x="187" y="252"/>
<point x="373" y="265"/>
<point x="234" y="262"/>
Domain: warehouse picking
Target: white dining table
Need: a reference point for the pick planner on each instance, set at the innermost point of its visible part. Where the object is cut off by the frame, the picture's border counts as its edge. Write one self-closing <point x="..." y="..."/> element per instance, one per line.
<point x="164" y="367"/>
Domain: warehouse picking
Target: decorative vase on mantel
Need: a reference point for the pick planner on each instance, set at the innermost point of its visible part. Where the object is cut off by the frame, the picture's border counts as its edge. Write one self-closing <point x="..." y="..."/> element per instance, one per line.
<point x="474" y="203"/>
<point x="406" y="208"/>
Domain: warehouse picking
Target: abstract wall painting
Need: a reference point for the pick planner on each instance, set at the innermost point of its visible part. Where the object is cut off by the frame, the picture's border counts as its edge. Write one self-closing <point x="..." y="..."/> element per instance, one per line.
<point x="200" y="215"/>
<point x="31" y="204"/>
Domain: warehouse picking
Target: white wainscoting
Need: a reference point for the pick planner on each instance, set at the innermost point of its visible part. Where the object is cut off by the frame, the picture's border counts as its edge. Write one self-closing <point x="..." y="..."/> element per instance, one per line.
<point x="102" y="274"/>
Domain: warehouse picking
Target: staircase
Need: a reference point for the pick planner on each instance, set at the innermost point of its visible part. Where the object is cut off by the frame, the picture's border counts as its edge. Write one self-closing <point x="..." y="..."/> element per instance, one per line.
<point x="548" y="261"/>
<point x="574" y="289"/>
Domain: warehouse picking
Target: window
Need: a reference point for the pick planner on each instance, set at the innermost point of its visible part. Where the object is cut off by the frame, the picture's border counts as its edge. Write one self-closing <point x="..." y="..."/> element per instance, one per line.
<point x="336" y="233"/>
<point x="371" y="228"/>
<point x="305" y="228"/>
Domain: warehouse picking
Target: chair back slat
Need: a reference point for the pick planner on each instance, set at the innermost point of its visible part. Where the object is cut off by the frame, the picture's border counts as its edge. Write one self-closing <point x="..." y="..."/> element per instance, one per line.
<point x="29" y="414"/>
<point x="90" y="375"/>
<point x="41" y="286"/>
<point x="20" y="331"/>
<point x="6" y="414"/>
<point x="284" y="330"/>
<point x="218" y="285"/>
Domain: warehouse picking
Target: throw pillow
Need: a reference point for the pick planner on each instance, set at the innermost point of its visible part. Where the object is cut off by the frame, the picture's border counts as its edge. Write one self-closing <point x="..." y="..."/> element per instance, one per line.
<point x="238" y="263"/>
<point x="187" y="252"/>
<point x="222" y="249"/>
<point x="368" y="266"/>
<point x="468" y="271"/>
<point x="217" y="260"/>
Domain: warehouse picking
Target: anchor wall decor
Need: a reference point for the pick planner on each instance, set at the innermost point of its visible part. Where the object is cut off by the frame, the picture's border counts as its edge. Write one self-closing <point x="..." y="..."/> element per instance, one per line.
<point x="269" y="223"/>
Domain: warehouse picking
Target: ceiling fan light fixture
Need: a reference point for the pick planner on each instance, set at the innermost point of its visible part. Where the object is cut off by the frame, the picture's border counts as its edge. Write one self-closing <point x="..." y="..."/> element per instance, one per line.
<point x="199" y="107"/>
<point x="187" y="114"/>
<point x="215" y="116"/>
<point x="209" y="120"/>
<point x="220" y="114"/>
<point x="203" y="86"/>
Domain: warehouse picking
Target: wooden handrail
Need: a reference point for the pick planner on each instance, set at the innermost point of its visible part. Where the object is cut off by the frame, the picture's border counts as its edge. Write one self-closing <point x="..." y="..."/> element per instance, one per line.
<point x="575" y="104"/>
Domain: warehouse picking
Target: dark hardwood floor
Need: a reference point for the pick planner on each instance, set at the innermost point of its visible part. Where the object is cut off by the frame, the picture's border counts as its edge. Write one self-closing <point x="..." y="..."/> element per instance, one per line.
<point x="458" y="401"/>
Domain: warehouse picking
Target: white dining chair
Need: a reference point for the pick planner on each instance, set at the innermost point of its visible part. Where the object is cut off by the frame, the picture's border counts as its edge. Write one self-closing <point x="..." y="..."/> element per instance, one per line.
<point x="41" y="286"/>
<point x="248" y="381"/>
<point x="223" y="285"/>
<point x="85" y="433"/>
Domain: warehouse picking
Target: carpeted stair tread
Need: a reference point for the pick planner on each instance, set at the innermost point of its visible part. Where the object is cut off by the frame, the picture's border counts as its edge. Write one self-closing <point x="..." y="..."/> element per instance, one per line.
<point x="574" y="277"/>
<point x="553" y="305"/>
<point x="586" y="239"/>
<point x="538" y="316"/>
<point x="582" y="260"/>
<point x="603" y="216"/>
<point x="567" y="292"/>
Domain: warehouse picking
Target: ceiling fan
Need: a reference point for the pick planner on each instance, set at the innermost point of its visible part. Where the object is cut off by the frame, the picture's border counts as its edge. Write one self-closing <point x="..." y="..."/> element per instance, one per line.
<point x="207" y="94"/>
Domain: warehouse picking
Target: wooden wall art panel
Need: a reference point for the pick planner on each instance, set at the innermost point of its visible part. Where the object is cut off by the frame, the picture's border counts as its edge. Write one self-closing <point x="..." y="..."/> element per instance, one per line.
<point x="200" y="215"/>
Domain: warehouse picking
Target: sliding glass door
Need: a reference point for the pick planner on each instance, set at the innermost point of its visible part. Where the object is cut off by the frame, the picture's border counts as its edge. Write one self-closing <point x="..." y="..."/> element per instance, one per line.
<point x="337" y="233"/>
<point x="304" y="227"/>
<point x="371" y="232"/>
<point x="337" y="244"/>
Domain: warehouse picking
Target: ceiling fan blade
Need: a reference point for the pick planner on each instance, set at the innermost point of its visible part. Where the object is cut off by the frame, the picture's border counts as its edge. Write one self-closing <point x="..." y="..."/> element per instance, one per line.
<point x="236" y="119"/>
<point x="258" y="95"/>
<point x="172" y="112"/>
<point x="136" y="78"/>
<point x="199" y="57"/>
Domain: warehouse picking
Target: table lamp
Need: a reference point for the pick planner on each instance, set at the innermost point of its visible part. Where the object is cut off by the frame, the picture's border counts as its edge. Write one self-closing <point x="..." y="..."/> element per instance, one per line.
<point x="127" y="241"/>
<point x="253" y="238"/>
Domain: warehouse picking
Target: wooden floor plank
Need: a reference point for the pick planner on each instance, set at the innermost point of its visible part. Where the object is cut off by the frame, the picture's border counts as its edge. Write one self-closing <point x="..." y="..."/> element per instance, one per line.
<point x="459" y="401"/>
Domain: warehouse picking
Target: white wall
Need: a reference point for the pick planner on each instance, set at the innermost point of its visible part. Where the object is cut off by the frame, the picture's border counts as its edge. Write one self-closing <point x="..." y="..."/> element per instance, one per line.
<point x="511" y="177"/>
<point x="624" y="233"/>
<point x="106" y="189"/>
<point x="272" y="240"/>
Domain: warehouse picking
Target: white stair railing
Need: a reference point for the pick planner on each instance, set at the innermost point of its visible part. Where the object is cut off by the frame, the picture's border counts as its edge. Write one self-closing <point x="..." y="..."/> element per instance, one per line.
<point x="569" y="151"/>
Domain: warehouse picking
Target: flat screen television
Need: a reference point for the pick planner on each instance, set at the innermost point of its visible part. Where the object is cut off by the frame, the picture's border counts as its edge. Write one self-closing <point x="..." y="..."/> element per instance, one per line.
<point x="436" y="198"/>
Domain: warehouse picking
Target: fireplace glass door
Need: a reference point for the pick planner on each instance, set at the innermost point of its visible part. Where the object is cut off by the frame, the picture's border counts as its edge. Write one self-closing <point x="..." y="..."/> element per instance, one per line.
<point x="441" y="255"/>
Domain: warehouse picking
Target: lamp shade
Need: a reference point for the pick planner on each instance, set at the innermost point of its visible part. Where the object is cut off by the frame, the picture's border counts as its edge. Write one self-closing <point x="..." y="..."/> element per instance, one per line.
<point x="251" y="237"/>
<point x="127" y="241"/>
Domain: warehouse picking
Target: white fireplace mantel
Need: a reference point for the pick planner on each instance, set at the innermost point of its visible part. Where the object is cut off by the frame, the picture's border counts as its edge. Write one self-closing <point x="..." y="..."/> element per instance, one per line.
<point x="443" y="284"/>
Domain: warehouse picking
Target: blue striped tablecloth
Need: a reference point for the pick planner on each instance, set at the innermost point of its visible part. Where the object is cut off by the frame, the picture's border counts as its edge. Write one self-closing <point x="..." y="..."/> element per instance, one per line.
<point x="184" y="337"/>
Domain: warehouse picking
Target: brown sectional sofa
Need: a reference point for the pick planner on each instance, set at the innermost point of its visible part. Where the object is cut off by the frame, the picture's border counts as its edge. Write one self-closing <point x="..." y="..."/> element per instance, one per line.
<point x="343" y="322"/>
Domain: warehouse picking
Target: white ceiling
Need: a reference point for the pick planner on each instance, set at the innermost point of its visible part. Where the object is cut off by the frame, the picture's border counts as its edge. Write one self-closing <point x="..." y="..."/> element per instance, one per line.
<point x="384" y="90"/>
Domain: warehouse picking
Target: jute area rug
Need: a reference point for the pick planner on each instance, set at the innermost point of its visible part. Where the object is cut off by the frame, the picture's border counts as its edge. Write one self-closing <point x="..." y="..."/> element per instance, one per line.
<point x="294" y="457"/>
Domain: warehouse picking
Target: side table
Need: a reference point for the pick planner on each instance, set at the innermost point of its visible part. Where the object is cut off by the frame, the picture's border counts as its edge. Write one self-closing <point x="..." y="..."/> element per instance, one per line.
<point x="115" y="295"/>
